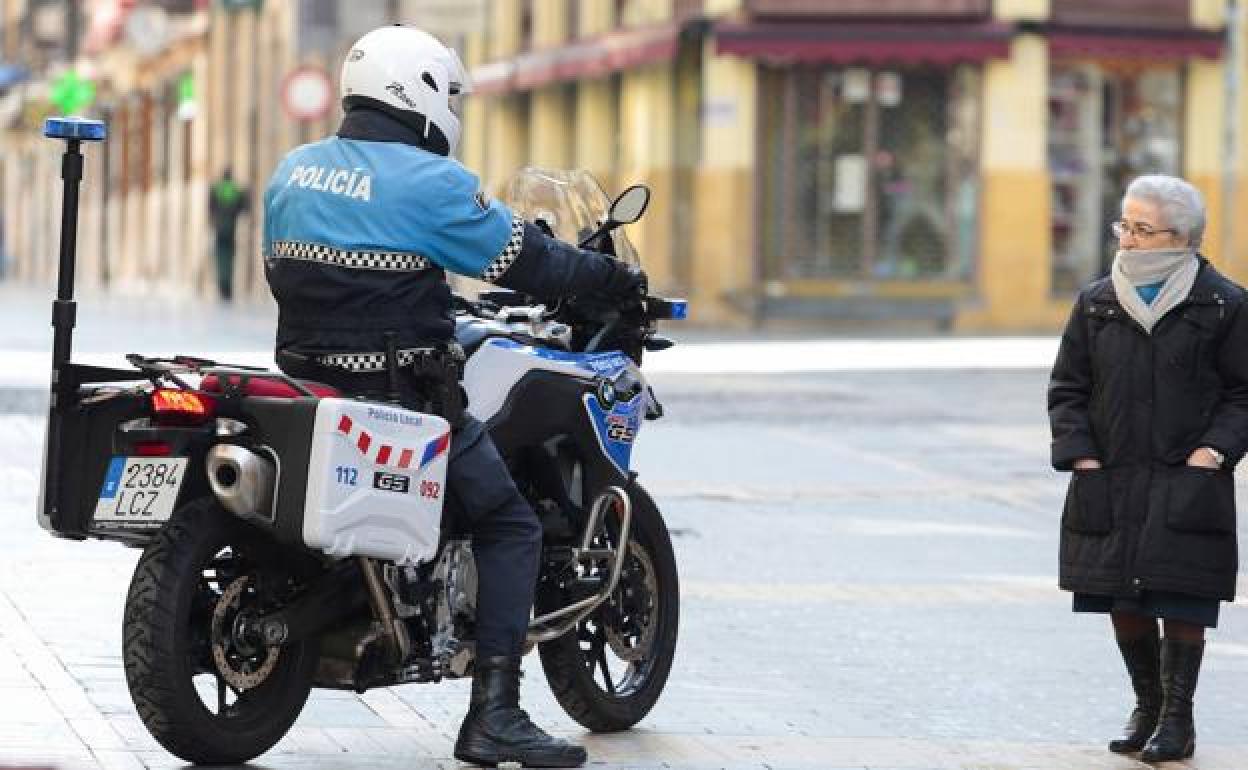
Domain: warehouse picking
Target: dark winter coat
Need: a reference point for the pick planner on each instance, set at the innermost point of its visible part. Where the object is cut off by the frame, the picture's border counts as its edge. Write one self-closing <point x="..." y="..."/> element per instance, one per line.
<point x="1141" y="404"/>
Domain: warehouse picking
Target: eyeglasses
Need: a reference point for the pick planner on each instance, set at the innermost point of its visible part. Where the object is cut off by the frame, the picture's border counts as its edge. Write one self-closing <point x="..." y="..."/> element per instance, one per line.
<point x="1120" y="229"/>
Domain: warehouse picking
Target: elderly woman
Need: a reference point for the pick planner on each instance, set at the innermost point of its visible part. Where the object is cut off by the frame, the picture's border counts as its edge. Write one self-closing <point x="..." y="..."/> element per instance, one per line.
<point x="1148" y="404"/>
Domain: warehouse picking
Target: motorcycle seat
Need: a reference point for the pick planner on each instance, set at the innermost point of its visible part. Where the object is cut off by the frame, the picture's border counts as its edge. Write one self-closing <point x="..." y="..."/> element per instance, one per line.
<point x="270" y="386"/>
<point x="470" y="333"/>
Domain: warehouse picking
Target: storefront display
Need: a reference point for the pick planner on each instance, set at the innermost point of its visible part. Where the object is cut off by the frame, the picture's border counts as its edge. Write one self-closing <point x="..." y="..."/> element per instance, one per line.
<point x="1109" y="122"/>
<point x="870" y="173"/>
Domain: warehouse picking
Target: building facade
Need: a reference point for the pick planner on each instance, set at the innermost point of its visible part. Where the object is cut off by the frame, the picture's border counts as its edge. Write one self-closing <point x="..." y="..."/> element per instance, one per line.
<point x="956" y="162"/>
<point x="188" y="90"/>
<point x="946" y="162"/>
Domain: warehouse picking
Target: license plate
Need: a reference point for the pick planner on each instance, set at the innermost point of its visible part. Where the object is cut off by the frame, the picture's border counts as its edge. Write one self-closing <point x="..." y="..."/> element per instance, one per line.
<point x="140" y="491"/>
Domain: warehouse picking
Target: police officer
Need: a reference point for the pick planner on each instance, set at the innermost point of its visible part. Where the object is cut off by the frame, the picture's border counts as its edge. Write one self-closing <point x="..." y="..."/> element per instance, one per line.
<point x="359" y="231"/>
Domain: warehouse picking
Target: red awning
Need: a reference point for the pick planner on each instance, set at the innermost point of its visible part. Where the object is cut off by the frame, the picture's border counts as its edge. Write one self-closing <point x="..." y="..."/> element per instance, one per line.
<point x="936" y="42"/>
<point x="592" y="58"/>
<point x="1172" y="44"/>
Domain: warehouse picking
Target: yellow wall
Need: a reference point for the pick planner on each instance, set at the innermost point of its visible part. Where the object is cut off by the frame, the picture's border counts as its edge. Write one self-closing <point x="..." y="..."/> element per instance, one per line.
<point x="551" y="127"/>
<point x="595" y="16"/>
<point x="1210" y="14"/>
<point x="1021" y="10"/>
<point x="1015" y="262"/>
<point x="597" y="130"/>
<point x="550" y="22"/>
<point x="723" y="249"/>
<point x="504" y="39"/>
<point x="647" y="137"/>
<point x="1238" y="264"/>
<point x="642" y="12"/>
<point x="1203" y="154"/>
<point x="507" y="133"/>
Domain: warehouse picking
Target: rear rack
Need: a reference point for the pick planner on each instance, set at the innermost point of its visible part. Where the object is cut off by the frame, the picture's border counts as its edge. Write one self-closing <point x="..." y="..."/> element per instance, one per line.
<point x="168" y="369"/>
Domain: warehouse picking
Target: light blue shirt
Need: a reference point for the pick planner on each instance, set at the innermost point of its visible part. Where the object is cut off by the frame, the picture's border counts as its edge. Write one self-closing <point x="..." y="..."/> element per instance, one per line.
<point x="354" y="195"/>
<point x="1149" y="291"/>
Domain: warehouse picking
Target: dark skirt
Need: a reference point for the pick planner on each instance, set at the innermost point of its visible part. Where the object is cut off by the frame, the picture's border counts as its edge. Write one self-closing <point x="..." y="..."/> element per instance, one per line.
<point x="1164" y="605"/>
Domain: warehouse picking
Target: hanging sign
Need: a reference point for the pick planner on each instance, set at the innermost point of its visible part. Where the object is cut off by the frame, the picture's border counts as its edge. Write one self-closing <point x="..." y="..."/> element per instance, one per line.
<point x="307" y="94"/>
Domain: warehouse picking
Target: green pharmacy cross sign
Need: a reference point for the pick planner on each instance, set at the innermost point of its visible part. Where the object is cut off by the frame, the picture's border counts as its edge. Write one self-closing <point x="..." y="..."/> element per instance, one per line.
<point x="72" y="94"/>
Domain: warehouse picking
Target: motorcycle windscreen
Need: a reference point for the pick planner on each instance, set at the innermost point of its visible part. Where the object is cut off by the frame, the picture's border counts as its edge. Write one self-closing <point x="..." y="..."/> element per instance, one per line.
<point x="376" y="481"/>
<point x="571" y="202"/>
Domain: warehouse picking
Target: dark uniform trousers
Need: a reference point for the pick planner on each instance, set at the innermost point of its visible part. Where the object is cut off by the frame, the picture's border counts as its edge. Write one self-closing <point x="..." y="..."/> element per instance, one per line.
<point x="506" y="538"/>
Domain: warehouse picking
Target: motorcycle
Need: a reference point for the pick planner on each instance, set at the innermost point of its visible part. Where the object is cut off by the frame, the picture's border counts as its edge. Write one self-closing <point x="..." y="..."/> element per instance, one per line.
<point x="295" y="538"/>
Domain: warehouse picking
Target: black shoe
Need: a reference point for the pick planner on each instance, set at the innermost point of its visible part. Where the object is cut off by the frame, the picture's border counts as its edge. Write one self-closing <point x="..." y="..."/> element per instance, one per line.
<point x="498" y="730"/>
<point x="1175" y="737"/>
<point x="1143" y="659"/>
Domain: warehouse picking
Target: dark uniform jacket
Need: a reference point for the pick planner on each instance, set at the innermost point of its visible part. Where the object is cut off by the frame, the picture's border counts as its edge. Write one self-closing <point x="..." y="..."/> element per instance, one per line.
<point x="1141" y="404"/>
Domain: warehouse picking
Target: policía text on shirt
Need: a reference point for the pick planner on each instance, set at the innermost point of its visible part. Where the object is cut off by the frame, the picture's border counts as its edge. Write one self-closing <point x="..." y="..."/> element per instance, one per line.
<point x="350" y="184"/>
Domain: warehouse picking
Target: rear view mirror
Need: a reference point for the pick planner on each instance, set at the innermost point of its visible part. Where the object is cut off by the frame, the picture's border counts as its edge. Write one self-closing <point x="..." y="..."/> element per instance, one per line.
<point x="631" y="204"/>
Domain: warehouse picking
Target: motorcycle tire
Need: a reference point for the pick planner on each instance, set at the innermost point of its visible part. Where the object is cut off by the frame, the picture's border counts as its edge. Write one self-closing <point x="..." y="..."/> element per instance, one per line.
<point x="174" y="611"/>
<point x="576" y="664"/>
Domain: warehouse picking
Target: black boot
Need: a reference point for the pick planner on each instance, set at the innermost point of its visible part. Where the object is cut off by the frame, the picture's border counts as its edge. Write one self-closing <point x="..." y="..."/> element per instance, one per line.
<point x="1143" y="659"/>
<point x="497" y="730"/>
<point x="1175" y="737"/>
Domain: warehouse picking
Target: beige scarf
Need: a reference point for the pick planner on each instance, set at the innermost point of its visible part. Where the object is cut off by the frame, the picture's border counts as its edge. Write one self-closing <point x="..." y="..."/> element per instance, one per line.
<point x="1141" y="267"/>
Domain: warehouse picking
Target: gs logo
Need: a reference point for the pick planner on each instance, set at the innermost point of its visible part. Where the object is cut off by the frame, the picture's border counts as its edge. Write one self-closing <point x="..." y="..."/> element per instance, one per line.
<point x="391" y="482"/>
<point x="620" y="428"/>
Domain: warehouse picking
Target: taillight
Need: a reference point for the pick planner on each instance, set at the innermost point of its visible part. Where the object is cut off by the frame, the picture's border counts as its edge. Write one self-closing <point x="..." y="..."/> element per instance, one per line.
<point x="151" y="449"/>
<point x="181" y="407"/>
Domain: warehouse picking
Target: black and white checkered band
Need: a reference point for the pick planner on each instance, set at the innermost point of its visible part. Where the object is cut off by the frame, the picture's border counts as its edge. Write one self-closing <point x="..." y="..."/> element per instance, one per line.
<point x="495" y="269"/>
<point x="369" y="362"/>
<point x="363" y="260"/>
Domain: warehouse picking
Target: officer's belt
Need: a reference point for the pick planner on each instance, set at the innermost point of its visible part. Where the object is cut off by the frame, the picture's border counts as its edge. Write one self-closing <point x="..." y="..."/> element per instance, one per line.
<point x="371" y="362"/>
<point x="358" y="259"/>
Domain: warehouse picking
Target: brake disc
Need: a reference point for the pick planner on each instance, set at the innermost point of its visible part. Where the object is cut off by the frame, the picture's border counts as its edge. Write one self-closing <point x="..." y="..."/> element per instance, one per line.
<point x="622" y="641"/>
<point x="238" y="660"/>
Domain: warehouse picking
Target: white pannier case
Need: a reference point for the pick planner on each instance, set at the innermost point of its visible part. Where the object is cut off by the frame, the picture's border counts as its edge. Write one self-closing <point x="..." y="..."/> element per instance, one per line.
<point x="376" y="481"/>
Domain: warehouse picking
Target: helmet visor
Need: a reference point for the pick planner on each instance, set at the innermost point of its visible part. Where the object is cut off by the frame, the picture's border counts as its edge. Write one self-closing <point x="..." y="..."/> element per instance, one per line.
<point x="458" y="84"/>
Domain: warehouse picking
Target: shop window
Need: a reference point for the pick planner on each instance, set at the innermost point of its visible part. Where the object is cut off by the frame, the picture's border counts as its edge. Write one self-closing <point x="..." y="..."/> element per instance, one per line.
<point x="1108" y="123"/>
<point x="869" y="174"/>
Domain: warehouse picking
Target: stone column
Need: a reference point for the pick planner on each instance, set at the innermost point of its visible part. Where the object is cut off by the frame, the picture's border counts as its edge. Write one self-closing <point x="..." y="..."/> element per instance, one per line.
<point x="1015" y="265"/>
<point x="242" y="147"/>
<point x="724" y="254"/>
<point x="1203" y="147"/>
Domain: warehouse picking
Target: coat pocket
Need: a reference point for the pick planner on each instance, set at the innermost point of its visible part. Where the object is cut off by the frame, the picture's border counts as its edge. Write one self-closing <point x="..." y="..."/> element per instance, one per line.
<point x="1200" y="500"/>
<point x="1089" y="508"/>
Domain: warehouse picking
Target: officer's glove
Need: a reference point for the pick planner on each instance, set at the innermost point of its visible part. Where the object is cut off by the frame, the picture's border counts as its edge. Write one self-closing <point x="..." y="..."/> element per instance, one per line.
<point x="626" y="283"/>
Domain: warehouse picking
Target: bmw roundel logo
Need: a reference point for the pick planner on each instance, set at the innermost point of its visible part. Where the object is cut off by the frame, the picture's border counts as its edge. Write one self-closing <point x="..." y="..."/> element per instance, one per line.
<point x="606" y="394"/>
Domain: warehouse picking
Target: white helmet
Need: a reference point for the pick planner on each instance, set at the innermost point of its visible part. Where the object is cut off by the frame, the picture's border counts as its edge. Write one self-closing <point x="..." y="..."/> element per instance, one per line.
<point x="410" y="74"/>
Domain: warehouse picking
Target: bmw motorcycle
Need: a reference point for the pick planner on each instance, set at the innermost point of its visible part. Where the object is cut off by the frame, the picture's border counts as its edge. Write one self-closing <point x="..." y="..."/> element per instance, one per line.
<point x="295" y="538"/>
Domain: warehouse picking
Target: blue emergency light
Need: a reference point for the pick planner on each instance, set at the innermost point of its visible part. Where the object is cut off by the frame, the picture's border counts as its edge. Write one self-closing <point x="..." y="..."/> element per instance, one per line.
<point x="82" y="129"/>
<point x="680" y="310"/>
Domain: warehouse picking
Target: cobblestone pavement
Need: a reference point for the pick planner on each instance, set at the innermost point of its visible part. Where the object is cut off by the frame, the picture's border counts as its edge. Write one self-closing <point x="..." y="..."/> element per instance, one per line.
<point x="868" y="569"/>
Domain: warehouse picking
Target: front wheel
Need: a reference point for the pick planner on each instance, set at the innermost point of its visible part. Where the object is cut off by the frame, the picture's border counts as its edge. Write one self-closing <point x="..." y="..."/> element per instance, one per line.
<point x="609" y="671"/>
<point x="203" y="683"/>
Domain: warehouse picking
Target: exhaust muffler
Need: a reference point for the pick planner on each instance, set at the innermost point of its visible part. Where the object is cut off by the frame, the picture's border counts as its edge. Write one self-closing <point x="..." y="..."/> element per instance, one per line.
<point x="243" y="482"/>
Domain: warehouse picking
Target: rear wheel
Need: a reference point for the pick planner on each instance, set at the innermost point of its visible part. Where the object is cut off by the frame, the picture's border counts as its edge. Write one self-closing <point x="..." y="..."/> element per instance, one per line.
<point x="207" y="688"/>
<point x="609" y="671"/>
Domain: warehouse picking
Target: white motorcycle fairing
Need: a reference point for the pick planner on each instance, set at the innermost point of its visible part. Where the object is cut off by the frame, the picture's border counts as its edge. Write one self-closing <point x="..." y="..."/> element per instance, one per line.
<point x="498" y="366"/>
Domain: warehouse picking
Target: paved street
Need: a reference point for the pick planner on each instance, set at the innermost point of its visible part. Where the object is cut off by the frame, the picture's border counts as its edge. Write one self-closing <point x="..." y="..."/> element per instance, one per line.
<point x="867" y="553"/>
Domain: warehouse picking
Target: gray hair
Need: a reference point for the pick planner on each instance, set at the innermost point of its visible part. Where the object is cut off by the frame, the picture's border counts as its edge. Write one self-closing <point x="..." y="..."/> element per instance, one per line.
<point x="1180" y="203"/>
